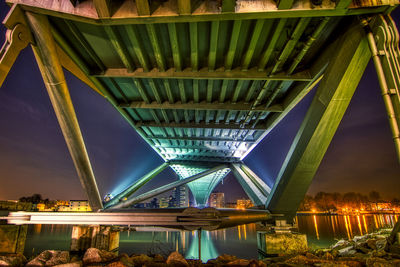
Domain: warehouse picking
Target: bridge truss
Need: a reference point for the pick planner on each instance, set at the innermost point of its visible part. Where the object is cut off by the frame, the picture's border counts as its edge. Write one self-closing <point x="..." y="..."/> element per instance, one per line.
<point x="203" y="82"/>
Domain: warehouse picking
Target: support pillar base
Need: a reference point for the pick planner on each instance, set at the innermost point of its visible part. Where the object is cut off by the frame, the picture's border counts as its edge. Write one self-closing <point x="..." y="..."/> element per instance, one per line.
<point x="94" y="236"/>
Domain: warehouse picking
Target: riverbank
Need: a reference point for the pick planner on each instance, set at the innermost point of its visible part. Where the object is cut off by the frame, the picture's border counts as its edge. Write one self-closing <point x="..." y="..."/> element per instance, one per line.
<point x="366" y="250"/>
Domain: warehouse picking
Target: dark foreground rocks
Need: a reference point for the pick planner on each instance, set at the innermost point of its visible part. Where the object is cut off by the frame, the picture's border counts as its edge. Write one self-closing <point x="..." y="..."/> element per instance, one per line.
<point x="369" y="250"/>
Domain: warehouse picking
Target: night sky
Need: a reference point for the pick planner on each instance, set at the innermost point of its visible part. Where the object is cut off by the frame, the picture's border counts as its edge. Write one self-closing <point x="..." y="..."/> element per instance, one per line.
<point x="34" y="157"/>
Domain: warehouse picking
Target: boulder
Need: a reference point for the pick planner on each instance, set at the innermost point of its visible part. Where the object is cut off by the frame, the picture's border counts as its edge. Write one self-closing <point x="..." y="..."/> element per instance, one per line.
<point x="341" y="244"/>
<point x="125" y="259"/>
<point x="239" y="262"/>
<point x="381" y="243"/>
<point x="71" y="264"/>
<point x="50" y="258"/>
<point x="328" y="256"/>
<point x="347" y="251"/>
<point x="139" y="260"/>
<point x="225" y="258"/>
<point x="158" y="258"/>
<point x="378" y="262"/>
<point x="15" y="260"/>
<point x="176" y="259"/>
<point x="116" y="264"/>
<point x="92" y="255"/>
<point x="95" y="255"/>
<point x="371" y="243"/>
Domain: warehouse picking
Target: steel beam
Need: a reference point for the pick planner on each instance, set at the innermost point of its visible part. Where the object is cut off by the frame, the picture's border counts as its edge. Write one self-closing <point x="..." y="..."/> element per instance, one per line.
<point x="238" y="106"/>
<point x="255" y="188"/>
<point x="18" y="37"/>
<point x="53" y="76"/>
<point x="202" y="125"/>
<point x="136" y="185"/>
<point x="165" y="188"/>
<point x="322" y="119"/>
<point x="265" y="9"/>
<point x="204" y="73"/>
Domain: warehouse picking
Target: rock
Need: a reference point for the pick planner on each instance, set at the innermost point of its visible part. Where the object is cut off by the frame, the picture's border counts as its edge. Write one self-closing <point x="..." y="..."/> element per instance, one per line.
<point x="71" y="264"/>
<point x="176" y="259"/>
<point x="378" y="262"/>
<point x="311" y="256"/>
<point x="116" y="264"/>
<point x="328" y="256"/>
<point x="360" y="238"/>
<point x="340" y="244"/>
<point x="95" y="255"/>
<point x="395" y="249"/>
<point x="141" y="259"/>
<point x="371" y="243"/>
<point x="285" y="243"/>
<point x="380" y="243"/>
<point x="158" y="258"/>
<point x="239" y="262"/>
<point x="17" y="260"/>
<point x="125" y="259"/>
<point x="50" y="258"/>
<point x="225" y="258"/>
<point x="58" y="258"/>
<point x="92" y="255"/>
<point x="347" y="251"/>
<point x="195" y="263"/>
<point x="362" y="248"/>
<point x="303" y="260"/>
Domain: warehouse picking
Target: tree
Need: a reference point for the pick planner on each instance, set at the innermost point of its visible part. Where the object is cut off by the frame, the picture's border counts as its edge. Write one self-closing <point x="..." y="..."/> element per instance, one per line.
<point x="374" y="196"/>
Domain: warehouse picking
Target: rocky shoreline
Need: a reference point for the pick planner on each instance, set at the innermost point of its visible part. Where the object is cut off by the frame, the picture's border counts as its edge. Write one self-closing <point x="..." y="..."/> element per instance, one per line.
<point x="367" y="250"/>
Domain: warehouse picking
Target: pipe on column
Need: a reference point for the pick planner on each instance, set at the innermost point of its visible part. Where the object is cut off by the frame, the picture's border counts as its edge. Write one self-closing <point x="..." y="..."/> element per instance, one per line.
<point x="384" y="87"/>
<point x="53" y="77"/>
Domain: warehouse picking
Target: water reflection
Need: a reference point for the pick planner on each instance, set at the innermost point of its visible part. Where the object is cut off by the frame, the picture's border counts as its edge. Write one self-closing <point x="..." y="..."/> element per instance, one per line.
<point x="321" y="231"/>
<point x="208" y="250"/>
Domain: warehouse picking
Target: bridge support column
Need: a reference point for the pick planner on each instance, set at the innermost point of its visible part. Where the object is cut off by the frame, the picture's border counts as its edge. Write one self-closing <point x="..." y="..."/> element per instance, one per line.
<point x="53" y="77"/>
<point x="334" y="93"/>
<point x="94" y="236"/>
<point x="254" y="187"/>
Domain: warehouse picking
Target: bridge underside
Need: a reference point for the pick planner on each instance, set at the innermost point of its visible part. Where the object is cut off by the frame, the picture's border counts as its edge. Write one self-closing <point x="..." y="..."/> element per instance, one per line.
<point x="203" y="82"/>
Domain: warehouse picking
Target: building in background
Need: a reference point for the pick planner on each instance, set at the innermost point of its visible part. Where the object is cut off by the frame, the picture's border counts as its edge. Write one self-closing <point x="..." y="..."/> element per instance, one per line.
<point x="76" y="205"/>
<point x="164" y="202"/>
<point x="217" y="200"/>
<point x="181" y="196"/>
<point x="244" y="203"/>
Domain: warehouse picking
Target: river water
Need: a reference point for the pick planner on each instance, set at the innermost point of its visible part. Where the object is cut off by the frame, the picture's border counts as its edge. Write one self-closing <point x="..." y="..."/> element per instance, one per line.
<point x="321" y="230"/>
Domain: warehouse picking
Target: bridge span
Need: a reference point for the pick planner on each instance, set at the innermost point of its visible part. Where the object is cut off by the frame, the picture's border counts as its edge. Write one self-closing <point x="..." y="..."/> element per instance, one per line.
<point x="203" y="82"/>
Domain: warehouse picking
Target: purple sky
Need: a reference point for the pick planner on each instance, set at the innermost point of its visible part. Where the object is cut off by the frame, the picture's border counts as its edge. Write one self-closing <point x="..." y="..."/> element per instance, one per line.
<point x="35" y="159"/>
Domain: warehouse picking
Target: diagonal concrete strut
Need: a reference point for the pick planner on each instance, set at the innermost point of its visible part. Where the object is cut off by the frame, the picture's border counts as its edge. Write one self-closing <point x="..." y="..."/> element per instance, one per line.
<point x="53" y="77"/>
<point x="137" y="185"/>
<point x="165" y="188"/>
<point x="334" y="93"/>
<point x="253" y="186"/>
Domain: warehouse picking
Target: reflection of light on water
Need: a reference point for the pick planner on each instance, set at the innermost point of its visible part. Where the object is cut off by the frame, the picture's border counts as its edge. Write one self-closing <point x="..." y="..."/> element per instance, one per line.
<point x="346" y="223"/>
<point x="245" y="232"/>
<point x="316" y="226"/>
<point x="365" y="224"/>
<point x="332" y="220"/>
<point x="240" y="236"/>
<point x="359" y="224"/>
<point x="350" y="226"/>
<point x="376" y="222"/>
<point x="208" y="250"/>
<point x="395" y="217"/>
<point x="37" y="228"/>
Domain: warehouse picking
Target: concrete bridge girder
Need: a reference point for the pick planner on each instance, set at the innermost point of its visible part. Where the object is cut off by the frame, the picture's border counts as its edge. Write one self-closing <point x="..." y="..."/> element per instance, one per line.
<point x="253" y="186"/>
